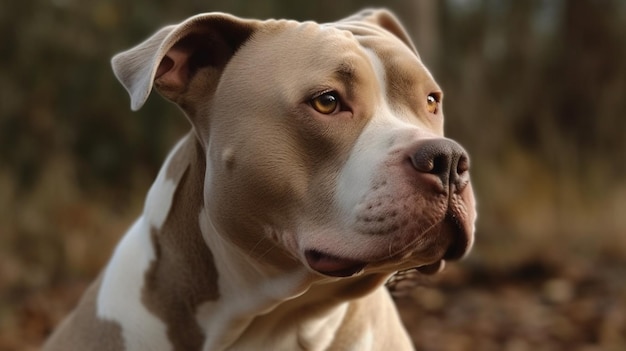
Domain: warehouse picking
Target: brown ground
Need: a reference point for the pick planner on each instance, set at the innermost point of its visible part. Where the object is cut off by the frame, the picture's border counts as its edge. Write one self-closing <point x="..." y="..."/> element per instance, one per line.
<point x="539" y="305"/>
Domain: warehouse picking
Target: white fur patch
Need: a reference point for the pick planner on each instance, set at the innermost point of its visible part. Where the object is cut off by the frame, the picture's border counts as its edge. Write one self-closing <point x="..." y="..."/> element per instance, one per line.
<point x="161" y="194"/>
<point x="159" y="201"/>
<point x="352" y="184"/>
<point x="357" y="174"/>
<point x="379" y="70"/>
<point x="119" y="298"/>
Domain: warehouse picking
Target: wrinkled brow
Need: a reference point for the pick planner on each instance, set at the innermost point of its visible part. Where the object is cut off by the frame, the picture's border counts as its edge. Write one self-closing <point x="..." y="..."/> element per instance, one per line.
<point x="346" y="73"/>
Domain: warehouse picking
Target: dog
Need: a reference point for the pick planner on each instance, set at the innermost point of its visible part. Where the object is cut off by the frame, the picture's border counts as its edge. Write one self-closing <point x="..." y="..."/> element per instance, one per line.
<point x="315" y="168"/>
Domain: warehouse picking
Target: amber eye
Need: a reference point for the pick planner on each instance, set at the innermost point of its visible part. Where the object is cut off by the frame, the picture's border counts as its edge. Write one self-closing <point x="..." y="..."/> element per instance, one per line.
<point x="432" y="103"/>
<point x="326" y="103"/>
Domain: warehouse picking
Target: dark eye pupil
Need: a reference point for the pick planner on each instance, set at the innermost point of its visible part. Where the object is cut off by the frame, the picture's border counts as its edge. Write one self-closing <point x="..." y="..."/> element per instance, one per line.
<point x="327" y="99"/>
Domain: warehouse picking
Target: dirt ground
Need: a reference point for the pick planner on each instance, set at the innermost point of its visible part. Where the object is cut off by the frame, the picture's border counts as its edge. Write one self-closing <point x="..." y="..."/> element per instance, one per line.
<point x="538" y="306"/>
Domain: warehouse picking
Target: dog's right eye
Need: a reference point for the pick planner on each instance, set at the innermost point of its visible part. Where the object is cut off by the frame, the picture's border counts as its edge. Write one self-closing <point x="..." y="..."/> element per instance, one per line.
<point x="326" y="103"/>
<point x="432" y="102"/>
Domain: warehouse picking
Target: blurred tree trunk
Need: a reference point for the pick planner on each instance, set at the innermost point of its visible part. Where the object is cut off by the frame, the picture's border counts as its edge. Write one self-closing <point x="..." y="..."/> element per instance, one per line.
<point x="423" y="26"/>
<point x="592" y="73"/>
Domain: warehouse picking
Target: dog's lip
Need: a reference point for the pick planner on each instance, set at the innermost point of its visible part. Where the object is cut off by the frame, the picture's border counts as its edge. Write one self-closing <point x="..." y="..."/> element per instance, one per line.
<point x="462" y="237"/>
<point x="331" y="265"/>
<point x="459" y="246"/>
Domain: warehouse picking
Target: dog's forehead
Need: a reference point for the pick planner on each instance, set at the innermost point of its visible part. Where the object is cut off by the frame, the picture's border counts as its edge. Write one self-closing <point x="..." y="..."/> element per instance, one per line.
<point x="339" y="46"/>
<point x="331" y="46"/>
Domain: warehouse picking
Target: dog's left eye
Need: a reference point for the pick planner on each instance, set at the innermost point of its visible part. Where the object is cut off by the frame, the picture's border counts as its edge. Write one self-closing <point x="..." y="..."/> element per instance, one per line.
<point x="432" y="103"/>
<point x="326" y="103"/>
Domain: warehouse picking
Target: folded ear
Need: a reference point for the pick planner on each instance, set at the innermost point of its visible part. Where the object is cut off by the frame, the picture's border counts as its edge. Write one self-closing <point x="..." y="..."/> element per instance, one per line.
<point x="172" y="56"/>
<point x="387" y="20"/>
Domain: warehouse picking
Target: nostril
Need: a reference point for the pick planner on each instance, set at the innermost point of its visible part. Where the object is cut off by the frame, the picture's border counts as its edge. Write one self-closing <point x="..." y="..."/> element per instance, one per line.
<point x="460" y="177"/>
<point x="435" y="156"/>
<point x="423" y="162"/>
<point x="431" y="158"/>
<point x="441" y="164"/>
<point x="463" y="164"/>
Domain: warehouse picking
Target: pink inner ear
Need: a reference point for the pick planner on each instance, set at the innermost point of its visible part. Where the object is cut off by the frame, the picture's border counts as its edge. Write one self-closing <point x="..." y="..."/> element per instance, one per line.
<point x="173" y="71"/>
<point x="165" y="65"/>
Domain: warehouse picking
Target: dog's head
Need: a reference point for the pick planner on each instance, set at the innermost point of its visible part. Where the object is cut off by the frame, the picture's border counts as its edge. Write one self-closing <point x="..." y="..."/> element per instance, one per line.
<point x="322" y="141"/>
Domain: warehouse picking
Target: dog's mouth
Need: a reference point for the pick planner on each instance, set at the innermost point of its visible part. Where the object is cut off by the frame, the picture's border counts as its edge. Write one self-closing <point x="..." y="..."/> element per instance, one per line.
<point x="457" y="235"/>
<point x="333" y="266"/>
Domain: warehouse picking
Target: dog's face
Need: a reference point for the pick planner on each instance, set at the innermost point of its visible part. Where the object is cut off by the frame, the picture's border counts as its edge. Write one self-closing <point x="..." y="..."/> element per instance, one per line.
<point x="324" y="142"/>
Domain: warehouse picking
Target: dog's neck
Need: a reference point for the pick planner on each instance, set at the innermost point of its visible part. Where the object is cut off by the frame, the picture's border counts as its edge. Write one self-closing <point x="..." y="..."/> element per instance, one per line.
<point x="202" y="303"/>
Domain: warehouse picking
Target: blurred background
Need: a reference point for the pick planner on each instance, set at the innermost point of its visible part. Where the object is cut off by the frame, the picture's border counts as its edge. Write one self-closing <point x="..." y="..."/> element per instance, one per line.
<point x="535" y="90"/>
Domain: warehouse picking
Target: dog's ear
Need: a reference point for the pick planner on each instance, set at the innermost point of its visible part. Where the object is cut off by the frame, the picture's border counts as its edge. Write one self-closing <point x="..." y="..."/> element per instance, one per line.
<point x="171" y="57"/>
<point x="387" y="20"/>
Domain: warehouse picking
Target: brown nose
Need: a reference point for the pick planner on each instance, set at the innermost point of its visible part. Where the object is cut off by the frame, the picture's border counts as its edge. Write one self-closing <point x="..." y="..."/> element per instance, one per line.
<point x="445" y="159"/>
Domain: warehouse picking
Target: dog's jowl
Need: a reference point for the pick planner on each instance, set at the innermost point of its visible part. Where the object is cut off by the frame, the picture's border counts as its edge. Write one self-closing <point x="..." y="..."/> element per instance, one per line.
<point x="315" y="168"/>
